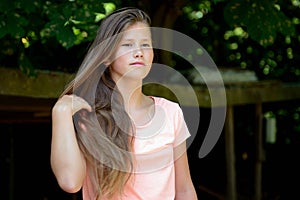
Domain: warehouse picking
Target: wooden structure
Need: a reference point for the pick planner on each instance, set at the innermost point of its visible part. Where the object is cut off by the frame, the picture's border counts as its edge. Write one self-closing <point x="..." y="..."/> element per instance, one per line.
<point x="240" y="93"/>
<point x="31" y="99"/>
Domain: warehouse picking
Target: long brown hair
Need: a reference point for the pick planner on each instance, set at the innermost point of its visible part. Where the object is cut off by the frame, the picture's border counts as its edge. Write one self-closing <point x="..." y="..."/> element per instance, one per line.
<point x="106" y="139"/>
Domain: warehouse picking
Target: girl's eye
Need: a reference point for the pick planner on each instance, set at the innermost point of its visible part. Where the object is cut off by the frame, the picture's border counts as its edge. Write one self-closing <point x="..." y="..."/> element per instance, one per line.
<point x="146" y="45"/>
<point x="126" y="45"/>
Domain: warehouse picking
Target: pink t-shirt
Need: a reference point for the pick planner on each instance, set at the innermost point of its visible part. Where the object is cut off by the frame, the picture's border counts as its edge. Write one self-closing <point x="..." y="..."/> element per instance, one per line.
<point x="154" y="175"/>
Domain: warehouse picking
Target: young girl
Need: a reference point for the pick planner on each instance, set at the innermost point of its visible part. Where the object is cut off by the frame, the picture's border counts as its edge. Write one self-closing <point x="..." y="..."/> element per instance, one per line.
<point x="108" y="138"/>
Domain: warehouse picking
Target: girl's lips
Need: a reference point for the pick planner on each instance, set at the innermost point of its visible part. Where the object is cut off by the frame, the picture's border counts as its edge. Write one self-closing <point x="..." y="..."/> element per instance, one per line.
<point x="138" y="64"/>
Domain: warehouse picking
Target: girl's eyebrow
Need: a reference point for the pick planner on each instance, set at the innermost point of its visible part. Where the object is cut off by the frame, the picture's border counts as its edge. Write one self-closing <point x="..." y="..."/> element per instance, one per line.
<point x="130" y="40"/>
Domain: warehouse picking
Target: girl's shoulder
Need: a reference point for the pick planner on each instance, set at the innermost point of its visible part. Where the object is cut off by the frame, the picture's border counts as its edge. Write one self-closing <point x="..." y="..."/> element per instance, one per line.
<point x="165" y="103"/>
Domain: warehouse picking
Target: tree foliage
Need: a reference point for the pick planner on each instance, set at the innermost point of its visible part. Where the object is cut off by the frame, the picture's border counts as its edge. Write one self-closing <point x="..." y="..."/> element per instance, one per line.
<point x="34" y="32"/>
<point x="262" y="19"/>
<point x="253" y="34"/>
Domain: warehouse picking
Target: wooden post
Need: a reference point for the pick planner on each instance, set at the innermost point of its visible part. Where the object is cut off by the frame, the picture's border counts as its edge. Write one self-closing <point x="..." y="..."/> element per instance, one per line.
<point x="11" y="164"/>
<point x="230" y="155"/>
<point x="259" y="152"/>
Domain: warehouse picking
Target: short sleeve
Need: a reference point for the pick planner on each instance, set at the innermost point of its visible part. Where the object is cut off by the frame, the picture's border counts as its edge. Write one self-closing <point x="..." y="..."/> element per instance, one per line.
<point x="181" y="129"/>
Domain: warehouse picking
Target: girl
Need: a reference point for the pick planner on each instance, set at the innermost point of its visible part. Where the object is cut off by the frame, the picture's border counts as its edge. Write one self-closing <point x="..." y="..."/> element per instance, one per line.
<point x="108" y="138"/>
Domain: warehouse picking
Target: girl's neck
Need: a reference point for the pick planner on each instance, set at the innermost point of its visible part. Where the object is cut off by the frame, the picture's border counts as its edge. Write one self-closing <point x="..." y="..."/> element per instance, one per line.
<point x="132" y="94"/>
<point x="139" y="106"/>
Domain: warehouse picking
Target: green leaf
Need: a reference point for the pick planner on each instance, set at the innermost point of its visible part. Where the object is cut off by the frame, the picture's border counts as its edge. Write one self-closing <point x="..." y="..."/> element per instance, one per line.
<point x="261" y="18"/>
<point x="7" y="6"/>
<point x="15" y="24"/>
<point x="26" y="66"/>
<point x="3" y="28"/>
<point x="65" y="37"/>
<point x="28" y="6"/>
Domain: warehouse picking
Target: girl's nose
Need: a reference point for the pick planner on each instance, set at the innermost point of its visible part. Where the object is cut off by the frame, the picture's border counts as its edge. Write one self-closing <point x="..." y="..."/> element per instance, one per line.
<point x="138" y="53"/>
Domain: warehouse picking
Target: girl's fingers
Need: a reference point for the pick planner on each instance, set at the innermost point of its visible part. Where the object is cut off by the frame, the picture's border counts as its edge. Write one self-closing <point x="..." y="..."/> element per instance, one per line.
<point x="73" y="103"/>
<point x="79" y="103"/>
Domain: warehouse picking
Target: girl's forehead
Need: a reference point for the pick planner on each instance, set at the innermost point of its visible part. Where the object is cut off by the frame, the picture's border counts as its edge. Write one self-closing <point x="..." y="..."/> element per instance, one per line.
<point x="138" y="25"/>
<point x="136" y="30"/>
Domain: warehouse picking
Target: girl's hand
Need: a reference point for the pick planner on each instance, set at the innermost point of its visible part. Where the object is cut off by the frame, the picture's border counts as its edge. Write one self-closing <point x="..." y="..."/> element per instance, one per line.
<point x="71" y="103"/>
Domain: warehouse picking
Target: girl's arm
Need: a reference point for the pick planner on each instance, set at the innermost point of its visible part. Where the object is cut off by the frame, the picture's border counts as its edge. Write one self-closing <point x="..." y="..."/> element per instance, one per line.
<point x="184" y="186"/>
<point x="67" y="161"/>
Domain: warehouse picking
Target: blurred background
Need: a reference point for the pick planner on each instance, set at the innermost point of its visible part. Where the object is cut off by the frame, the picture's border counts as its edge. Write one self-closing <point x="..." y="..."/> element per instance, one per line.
<point x="254" y="44"/>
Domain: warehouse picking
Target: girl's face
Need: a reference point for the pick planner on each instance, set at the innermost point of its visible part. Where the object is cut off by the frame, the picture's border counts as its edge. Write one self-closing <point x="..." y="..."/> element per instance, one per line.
<point x="134" y="54"/>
